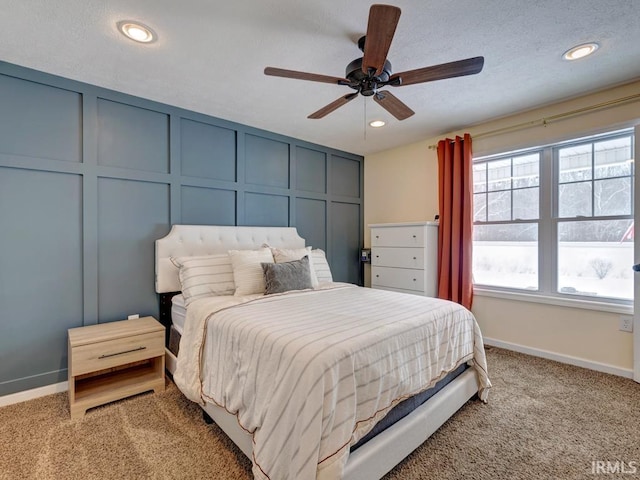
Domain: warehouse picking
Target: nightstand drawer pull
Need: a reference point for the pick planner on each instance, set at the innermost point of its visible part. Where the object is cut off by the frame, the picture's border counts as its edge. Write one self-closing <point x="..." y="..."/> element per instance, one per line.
<point x="122" y="353"/>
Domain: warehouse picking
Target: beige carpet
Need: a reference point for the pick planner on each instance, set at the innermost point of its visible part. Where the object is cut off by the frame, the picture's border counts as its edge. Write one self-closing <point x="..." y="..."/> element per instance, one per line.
<point x="543" y="420"/>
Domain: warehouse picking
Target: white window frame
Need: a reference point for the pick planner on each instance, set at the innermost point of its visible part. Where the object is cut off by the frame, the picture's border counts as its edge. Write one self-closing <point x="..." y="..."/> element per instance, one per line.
<point x="547" y="233"/>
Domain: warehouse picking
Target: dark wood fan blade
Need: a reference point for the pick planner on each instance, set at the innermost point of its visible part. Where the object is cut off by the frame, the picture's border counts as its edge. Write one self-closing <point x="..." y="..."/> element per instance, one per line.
<point x="392" y="105"/>
<point x="313" y="77"/>
<point x="470" y="66"/>
<point x="324" y="111"/>
<point x="383" y="20"/>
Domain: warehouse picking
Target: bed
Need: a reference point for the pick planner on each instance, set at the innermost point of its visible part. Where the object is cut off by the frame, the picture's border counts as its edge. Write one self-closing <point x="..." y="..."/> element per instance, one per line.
<point x="331" y="376"/>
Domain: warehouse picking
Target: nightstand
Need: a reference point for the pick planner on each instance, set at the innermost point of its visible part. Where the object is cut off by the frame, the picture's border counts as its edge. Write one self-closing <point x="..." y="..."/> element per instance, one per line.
<point x="111" y="361"/>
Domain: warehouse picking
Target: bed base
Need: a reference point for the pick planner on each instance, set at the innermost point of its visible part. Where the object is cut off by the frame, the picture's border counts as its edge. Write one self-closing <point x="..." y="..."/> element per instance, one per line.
<point x="383" y="452"/>
<point x="170" y="361"/>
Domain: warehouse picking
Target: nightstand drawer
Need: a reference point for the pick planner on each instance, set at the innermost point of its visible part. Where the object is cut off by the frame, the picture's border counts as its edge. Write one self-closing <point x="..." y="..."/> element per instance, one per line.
<point x="112" y="353"/>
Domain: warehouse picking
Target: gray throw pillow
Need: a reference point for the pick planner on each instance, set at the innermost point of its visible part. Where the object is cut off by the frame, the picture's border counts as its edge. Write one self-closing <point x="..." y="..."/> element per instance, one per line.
<point x="282" y="277"/>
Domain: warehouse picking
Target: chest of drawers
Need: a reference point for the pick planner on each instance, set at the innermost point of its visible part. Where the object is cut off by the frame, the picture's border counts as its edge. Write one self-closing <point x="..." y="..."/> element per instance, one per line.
<point x="404" y="257"/>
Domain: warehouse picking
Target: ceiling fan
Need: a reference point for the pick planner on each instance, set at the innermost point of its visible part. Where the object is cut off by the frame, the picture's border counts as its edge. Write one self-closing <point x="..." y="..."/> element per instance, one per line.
<point x="367" y="74"/>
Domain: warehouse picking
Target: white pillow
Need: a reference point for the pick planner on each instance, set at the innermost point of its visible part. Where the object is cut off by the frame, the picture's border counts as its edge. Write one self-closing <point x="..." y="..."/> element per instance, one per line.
<point x="204" y="276"/>
<point x="320" y="266"/>
<point x="282" y="255"/>
<point x="247" y="269"/>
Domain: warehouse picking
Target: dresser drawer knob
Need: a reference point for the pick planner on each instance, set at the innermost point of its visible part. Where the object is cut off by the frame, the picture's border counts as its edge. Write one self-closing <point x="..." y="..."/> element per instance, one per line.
<point x="414" y="236"/>
<point x="377" y="236"/>
<point x="122" y="353"/>
<point x="414" y="279"/>
<point x="377" y="276"/>
<point x="377" y="256"/>
<point x="414" y="258"/>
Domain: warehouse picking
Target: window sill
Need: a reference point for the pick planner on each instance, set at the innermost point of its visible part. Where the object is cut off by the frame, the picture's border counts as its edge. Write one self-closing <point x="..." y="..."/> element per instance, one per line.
<point x="551" y="300"/>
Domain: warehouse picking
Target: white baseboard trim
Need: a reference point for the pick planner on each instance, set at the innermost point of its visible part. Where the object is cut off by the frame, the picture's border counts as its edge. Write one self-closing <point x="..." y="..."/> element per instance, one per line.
<point x="558" y="357"/>
<point x="33" y="393"/>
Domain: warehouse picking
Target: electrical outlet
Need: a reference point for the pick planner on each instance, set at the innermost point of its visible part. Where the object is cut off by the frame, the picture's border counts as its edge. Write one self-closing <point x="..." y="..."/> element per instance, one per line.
<point x="135" y="315"/>
<point x="626" y="323"/>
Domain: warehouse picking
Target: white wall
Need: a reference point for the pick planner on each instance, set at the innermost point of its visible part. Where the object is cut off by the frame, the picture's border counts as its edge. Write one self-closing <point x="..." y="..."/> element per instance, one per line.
<point x="402" y="185"/>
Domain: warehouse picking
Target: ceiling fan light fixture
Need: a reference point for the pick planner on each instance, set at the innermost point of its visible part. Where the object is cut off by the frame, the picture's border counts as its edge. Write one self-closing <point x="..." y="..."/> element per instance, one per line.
<point x="136" y="31"/>
<point x="377" y="123"/>
<point x="580" y="51"/>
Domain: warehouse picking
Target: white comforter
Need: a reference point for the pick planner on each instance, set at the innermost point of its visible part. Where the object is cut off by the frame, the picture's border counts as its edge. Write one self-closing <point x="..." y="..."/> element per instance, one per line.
<point x="310" y="373"/>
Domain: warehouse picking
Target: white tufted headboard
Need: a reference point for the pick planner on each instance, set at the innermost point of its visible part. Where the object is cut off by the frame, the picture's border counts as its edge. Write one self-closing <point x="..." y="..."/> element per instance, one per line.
<point x="191" y="240"/>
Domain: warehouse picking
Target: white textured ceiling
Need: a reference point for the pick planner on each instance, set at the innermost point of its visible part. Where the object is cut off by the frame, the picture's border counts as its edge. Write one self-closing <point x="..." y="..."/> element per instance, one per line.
<point x="210" y="57"/>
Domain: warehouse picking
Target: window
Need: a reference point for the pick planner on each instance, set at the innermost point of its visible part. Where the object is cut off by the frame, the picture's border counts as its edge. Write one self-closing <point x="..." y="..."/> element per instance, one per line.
<point x="557" y="220"/>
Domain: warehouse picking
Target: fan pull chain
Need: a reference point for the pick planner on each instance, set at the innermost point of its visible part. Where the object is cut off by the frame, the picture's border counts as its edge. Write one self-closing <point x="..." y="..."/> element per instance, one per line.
<point x="364" y="123"/>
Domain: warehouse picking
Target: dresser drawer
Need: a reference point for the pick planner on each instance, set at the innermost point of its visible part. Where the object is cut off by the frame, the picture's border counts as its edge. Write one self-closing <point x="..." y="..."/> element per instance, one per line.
<point x="410" y="236"/>
<point x="398" y="257"/>
<point x="112" y="353"/>
<point x="401" y="278"/>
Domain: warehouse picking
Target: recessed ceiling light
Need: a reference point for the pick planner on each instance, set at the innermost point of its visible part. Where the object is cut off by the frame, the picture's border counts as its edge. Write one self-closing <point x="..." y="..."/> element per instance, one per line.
<point x="580" y="51"/>
<point x="377" y="123"/>
<point x="136" y="31"/>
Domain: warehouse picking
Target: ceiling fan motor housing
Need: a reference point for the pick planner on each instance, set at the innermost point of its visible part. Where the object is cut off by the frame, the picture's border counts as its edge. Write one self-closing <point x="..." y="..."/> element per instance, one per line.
<point x="366" y="84"/>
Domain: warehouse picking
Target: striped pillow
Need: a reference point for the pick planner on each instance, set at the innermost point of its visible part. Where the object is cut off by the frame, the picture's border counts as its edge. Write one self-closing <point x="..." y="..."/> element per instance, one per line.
<point x="247" y="270"/>
<point x="204" y="276"/>
<point x="320" y="266"/>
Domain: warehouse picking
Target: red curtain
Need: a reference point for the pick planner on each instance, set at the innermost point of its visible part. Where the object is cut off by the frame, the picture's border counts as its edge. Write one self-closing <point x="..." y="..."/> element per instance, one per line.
<point x="455" y="178"/>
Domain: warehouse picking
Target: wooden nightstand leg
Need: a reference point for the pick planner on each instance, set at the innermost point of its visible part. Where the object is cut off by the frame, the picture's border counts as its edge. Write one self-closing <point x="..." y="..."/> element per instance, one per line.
<point x="77" y="412"/>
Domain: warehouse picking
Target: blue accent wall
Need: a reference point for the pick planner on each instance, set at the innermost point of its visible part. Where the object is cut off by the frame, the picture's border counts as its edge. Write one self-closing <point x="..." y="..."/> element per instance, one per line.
<point x="90" y="178"/>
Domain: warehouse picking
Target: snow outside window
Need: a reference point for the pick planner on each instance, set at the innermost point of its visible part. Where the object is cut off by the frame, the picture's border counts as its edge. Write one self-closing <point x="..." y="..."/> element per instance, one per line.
<point x="557" y="220"/>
